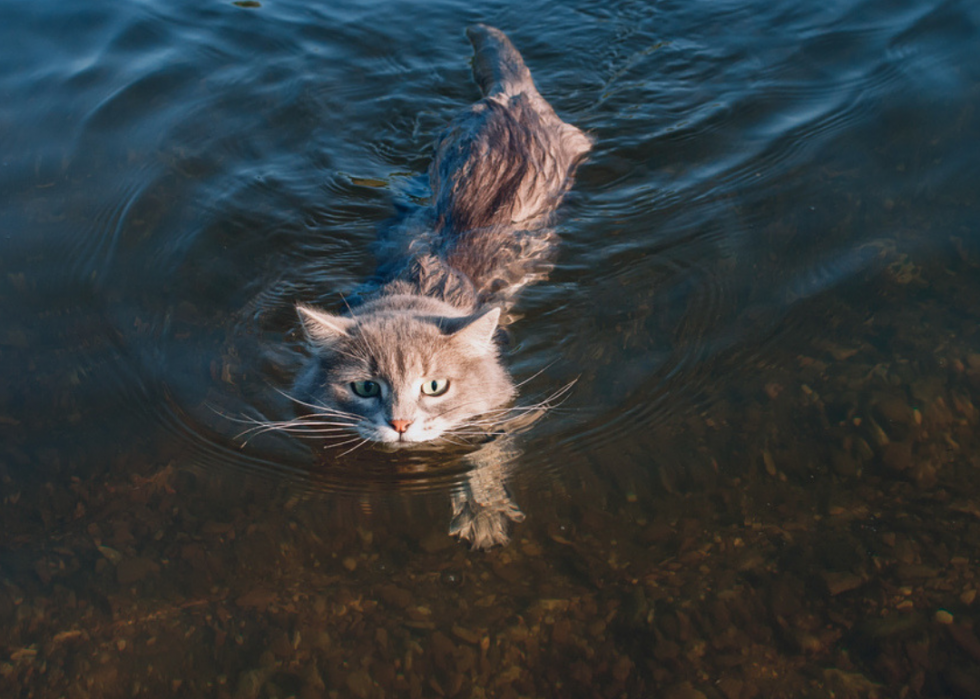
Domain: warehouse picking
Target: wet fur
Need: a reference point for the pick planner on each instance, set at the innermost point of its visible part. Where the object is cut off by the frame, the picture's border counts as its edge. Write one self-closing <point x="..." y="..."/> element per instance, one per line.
<point x="446" y="273"/>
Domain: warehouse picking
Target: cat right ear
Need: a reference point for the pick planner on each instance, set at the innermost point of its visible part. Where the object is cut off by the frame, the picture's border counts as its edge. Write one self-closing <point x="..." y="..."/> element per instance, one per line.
<point x="323" y="327"/>
<point x="476" y="331"/>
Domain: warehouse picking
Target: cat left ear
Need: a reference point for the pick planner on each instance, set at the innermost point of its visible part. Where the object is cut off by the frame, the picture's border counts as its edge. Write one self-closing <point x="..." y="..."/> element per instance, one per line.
<point x="323" y="327"/>
<point x="477" y="331"/>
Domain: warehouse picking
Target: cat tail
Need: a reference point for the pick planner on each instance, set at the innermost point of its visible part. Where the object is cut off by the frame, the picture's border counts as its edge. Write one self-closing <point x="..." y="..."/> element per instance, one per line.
<point x="497" y="66"/>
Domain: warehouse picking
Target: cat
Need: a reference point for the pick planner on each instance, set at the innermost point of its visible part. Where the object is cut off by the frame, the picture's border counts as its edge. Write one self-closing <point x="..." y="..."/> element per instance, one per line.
<point x="415" y="357"/>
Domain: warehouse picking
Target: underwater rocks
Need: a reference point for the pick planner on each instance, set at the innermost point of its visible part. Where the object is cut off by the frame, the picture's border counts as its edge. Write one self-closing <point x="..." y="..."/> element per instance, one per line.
<point x="812" y="531"/>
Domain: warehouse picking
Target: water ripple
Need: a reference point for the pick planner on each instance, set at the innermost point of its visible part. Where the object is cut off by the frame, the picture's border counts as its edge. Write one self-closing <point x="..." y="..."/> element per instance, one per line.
<point x="188" y="172"/>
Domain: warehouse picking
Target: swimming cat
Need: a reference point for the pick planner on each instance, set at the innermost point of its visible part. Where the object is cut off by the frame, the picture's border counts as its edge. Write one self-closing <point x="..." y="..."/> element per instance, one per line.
<point x="415" y="358"/>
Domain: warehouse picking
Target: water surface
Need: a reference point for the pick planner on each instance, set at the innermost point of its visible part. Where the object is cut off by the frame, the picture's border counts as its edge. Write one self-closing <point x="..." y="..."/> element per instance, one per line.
<point x="764" y="480"/>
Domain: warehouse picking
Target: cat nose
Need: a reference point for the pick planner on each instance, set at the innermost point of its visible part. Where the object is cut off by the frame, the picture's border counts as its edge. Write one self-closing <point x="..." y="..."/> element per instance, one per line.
<point x="400" y="426"/>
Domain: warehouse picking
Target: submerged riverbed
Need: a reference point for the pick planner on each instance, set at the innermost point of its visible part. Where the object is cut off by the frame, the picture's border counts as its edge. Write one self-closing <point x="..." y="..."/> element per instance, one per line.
<point x="764" y="482"/>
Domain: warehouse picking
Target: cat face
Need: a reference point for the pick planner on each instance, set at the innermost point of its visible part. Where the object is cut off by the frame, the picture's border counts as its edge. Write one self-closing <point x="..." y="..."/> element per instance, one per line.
<point x="399" y="376"/>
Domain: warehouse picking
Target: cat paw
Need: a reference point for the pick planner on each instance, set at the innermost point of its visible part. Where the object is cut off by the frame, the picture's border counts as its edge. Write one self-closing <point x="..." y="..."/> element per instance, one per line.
<point x="483" y="525"/>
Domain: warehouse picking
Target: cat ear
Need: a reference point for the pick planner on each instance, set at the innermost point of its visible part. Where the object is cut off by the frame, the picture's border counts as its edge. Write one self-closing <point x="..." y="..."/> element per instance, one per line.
<point x="321" y="326"/>
<point x="477" y="331"/>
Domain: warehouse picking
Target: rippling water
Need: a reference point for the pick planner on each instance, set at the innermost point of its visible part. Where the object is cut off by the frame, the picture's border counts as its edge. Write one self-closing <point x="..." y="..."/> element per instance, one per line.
<point x="180" y="176"/>
<point x="773" y="184"/>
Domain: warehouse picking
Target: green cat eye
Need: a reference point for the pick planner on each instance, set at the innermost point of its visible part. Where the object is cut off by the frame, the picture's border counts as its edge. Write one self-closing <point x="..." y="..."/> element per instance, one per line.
<point x="435" y="387"/>
<point x="366" y="389"/>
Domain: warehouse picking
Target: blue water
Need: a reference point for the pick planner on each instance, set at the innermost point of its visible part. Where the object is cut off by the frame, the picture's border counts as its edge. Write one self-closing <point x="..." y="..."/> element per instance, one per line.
<point x="766" y="294"/>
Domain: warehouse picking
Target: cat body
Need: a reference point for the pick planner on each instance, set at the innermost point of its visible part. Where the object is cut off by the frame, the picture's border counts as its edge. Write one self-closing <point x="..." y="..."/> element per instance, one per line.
<point x="415" y="358"/>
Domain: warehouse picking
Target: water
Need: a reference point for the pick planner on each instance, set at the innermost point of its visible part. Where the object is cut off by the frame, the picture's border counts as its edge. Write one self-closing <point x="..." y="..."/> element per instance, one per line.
<point x="762" y="484"/>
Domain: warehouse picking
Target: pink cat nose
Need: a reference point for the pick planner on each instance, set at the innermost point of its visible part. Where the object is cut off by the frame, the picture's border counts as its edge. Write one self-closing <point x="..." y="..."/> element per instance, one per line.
<point x="400" y="426"/>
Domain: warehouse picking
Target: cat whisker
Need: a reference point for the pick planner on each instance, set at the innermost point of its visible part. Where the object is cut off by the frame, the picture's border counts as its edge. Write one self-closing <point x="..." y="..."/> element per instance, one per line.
<point x="495" y="415"/>
<point x="318" y="419"/>
<point x="297" y="427"/>
<point x="478" y="435"/>
<point x="244" y="420"/>
<point x="296" y="424"/>
<point x="259" y="426"/>
<point x="481" y="426"/>
<point x="305" y="404"/>
<point x="319" y="409"/>
<point x="536" y="374"/>
<point x="549" y="403"/>
<point x="322" y="420"/>
<point x="360" y="444"/>
<point x="323" y="429"/>
<point x="493" y="419"/>
<point x="460" y="406"/>
<point x="455" y="443"/>
<point x="343" y="443"/>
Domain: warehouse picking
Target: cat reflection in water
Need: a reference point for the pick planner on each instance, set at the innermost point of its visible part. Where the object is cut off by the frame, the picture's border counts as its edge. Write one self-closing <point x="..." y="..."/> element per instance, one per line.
<point x="416" y="358"/>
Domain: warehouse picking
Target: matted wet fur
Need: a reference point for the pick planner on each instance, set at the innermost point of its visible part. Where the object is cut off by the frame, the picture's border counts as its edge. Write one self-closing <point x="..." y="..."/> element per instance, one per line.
<point x="414" y="359"/>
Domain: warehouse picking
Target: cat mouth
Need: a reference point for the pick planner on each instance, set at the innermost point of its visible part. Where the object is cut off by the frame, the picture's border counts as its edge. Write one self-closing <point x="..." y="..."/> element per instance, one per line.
<point x="385" y="436"/>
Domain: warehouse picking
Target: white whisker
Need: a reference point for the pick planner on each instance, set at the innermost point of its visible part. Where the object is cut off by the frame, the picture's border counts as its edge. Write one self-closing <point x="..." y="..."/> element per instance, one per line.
<point x="337" y="445"/>
<point x="295" y="425"/>
<point x="322" y="429"/>
<point x="493" y="422"/>
<point x="536" y="374"/>
<point x="446" y="439"/>
<point x="356" y="446"/>
<point x="317" y="408"/>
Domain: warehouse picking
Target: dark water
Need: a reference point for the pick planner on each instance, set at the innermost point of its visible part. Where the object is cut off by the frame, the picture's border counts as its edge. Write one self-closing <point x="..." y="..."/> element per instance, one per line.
<point x="764" y="482"/>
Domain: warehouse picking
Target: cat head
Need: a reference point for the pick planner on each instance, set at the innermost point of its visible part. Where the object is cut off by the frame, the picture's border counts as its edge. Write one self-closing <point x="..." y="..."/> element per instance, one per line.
<point x="402" y="376"/>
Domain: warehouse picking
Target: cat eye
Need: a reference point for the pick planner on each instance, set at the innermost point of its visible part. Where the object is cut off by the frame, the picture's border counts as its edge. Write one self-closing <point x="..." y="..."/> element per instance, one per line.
<point x="435" y="387"/>
<point x="366" y="389"/>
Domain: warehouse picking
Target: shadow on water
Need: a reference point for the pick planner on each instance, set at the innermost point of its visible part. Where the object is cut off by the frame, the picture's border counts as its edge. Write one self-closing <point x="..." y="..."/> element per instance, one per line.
<point x="762" y="482"/>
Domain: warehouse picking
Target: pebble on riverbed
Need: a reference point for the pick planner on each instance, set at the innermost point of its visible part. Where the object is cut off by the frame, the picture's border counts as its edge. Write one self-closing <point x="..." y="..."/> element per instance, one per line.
<point x="826" y="548"/>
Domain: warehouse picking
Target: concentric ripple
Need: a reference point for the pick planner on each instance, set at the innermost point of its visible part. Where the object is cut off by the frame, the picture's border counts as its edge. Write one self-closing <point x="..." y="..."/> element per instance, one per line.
<point x="177" y="177"/>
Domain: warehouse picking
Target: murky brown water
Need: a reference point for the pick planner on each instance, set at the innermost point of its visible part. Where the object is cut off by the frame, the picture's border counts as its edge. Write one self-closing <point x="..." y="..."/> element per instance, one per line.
<point x="764" y="483"/>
